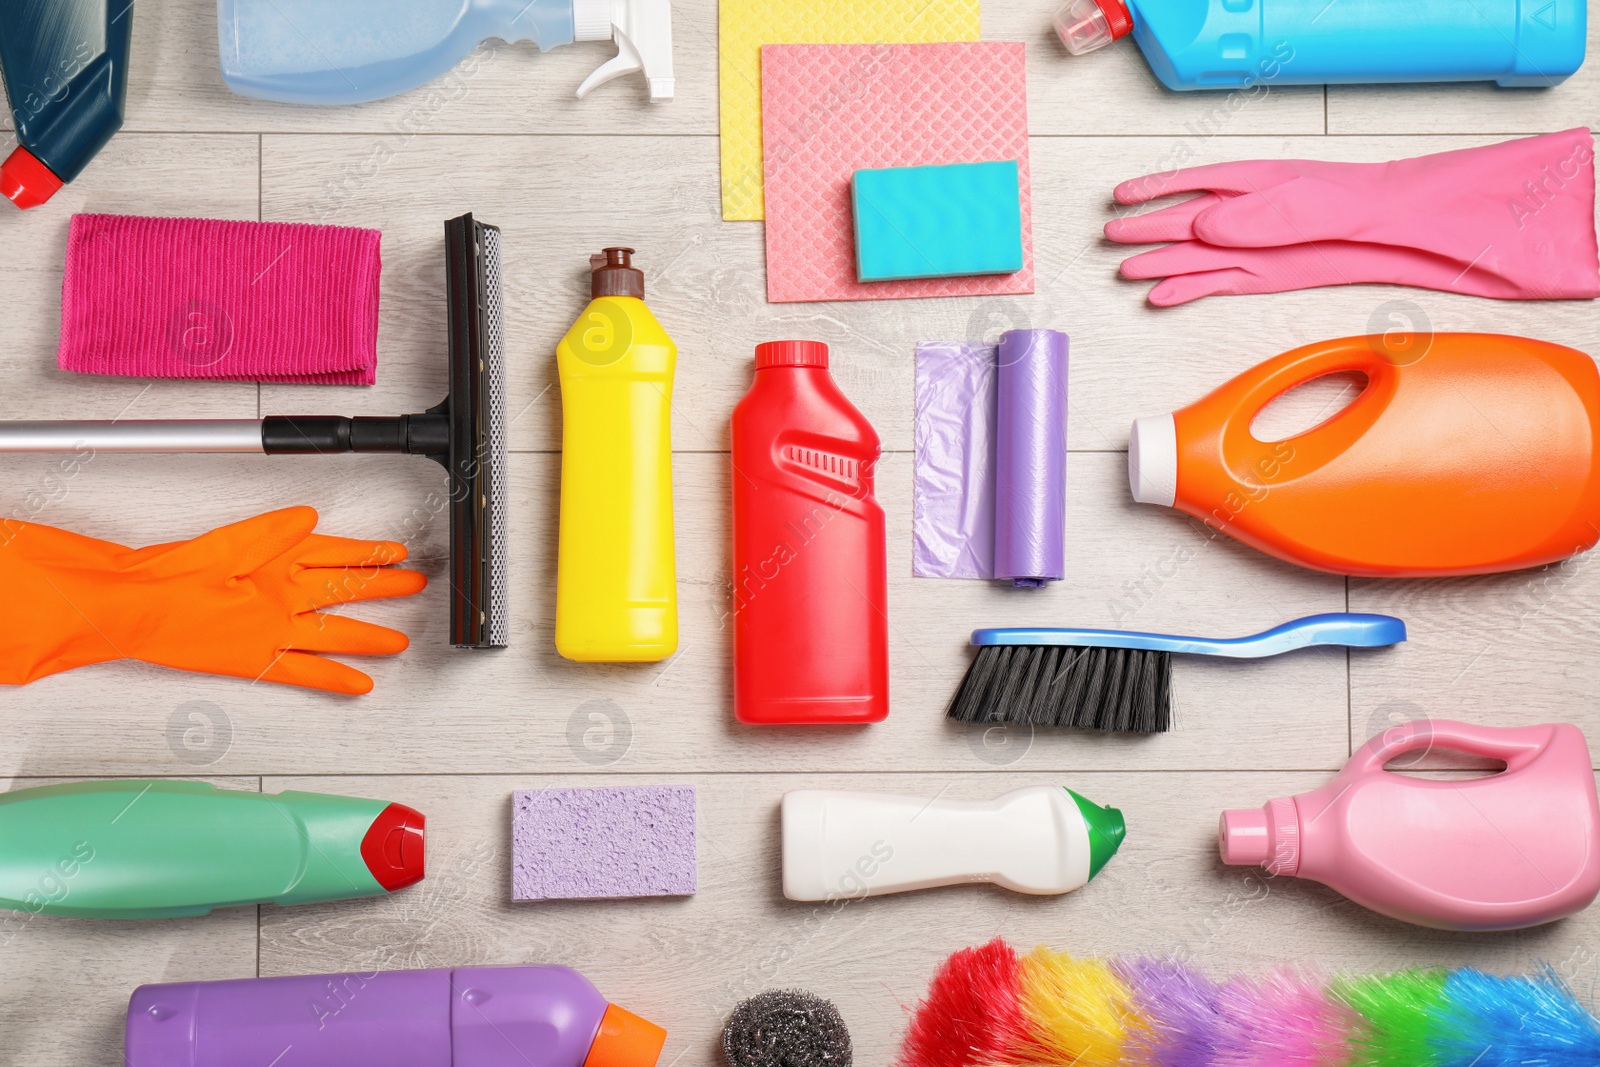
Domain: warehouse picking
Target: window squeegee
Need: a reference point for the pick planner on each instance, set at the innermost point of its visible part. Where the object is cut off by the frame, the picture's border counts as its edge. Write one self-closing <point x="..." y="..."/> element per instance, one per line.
<point x="465" y="433"/>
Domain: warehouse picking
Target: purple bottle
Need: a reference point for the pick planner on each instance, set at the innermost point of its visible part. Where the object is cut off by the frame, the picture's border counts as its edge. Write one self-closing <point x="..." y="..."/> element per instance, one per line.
<point x="461" y="1017"/>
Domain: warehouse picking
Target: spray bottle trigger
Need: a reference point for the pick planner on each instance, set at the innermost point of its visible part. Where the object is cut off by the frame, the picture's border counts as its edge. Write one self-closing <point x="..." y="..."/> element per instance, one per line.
<point x="643" y="32"/>
<point x="626" y="61"/>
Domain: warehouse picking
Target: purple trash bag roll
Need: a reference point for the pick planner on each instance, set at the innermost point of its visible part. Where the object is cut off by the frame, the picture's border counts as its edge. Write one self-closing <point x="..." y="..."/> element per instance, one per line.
<point x="1030" y="462"/>
<point x="990" y="477"/>
<point x="953" y="492"/>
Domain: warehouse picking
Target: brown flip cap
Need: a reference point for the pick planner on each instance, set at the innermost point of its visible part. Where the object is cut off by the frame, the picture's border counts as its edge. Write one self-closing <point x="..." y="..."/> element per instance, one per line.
<point x="615" y="275"/>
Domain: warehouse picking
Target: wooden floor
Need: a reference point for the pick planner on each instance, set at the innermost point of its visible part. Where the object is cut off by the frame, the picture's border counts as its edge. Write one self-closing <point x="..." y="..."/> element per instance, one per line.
<point x="454" y="733"/>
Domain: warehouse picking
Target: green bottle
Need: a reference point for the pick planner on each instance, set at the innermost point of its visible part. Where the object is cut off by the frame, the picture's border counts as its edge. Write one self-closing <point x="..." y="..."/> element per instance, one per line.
<point x="157" y="848"/>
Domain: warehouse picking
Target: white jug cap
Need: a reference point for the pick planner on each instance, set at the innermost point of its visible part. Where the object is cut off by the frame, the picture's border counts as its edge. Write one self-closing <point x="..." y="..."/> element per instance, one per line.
<point x="1153" y="460"/>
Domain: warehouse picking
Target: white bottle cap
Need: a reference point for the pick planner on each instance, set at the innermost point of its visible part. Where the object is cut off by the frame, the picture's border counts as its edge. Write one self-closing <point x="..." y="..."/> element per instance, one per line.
<point x="1153" y="460"/>
<point x="591" y="20"/>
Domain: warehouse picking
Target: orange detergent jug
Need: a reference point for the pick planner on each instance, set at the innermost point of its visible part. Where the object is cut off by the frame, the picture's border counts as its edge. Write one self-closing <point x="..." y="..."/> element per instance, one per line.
<point x="1465" y="453"/>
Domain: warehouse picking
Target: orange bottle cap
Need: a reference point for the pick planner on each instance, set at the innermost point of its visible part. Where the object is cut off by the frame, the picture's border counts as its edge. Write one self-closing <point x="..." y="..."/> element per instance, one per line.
<point x="625" y="1040"/>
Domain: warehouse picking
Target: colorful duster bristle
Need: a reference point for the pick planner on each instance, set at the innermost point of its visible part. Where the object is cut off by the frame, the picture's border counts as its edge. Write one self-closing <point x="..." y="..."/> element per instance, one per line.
<point x="973" y="1011"/>
<point x="1076" y="1011"/>
<point x="1284" y="1019"/>
<point x="988" y="1007"/>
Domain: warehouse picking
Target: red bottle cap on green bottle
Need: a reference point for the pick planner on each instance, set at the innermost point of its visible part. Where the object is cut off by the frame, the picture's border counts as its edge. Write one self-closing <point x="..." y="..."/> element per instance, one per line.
<point x="393" y="847"/>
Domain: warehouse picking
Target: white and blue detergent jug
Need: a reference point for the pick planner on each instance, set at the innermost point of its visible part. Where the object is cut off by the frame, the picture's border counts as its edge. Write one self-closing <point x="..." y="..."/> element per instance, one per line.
<point x="1224" y="44"/>
<point x="345" y="52"/>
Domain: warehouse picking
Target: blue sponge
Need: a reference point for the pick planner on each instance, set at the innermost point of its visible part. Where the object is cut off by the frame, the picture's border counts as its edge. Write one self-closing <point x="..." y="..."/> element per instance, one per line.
<point x="937" y="222"/>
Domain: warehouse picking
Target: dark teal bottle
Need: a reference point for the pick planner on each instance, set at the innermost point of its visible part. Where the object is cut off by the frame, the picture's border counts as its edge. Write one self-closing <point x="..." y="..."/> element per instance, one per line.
<point x="65" y="64"/>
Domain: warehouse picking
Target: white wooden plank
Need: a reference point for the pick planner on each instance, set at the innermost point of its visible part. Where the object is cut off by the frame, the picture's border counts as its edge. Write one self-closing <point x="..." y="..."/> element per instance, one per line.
<point x="1502" y="649"/>
<point x="705" y="280"/>
<point x="175" y="83"/>
<point x="686" y="962"/>
<point x="1112" y="91"/>
<point x="436" y="709"/>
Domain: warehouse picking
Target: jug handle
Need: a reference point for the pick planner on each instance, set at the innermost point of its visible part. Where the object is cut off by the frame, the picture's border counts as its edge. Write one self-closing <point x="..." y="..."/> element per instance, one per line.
<point x="1282" y="373"/>
<point x="1516" y="745"/>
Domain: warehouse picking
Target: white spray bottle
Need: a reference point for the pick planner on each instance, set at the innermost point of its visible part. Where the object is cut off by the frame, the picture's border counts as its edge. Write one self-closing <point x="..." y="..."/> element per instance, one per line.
<point x="349" y="51"/>
<point x="1041" y="839"/>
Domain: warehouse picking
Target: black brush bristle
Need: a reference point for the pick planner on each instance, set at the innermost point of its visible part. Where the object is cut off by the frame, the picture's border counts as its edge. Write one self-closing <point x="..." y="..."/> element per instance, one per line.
<point x="1113" y="690"/>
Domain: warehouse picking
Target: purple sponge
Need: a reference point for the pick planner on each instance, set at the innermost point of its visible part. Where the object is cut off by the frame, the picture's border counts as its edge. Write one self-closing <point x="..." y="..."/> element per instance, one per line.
<point x="623" y="841"/>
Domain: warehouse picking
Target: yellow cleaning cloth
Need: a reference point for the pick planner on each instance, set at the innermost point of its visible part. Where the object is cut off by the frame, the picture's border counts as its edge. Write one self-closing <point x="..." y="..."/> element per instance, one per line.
<point x="745" y="25"/>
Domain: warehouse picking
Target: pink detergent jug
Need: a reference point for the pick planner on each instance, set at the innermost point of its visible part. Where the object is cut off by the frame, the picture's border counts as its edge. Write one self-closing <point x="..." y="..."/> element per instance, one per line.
<point x="1511" y="849"/>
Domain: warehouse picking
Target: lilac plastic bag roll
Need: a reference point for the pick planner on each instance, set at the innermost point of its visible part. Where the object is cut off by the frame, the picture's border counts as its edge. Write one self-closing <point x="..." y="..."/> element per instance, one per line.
<point x="953" y="491"/>
<point x="965" y="418"/>
<point x="1030" y="462"/>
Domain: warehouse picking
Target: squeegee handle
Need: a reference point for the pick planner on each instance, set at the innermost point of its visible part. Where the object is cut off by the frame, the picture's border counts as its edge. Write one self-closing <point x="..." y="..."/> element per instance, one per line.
<point x="133" y="435"/>
<point x="418" y="435"/>
<point x="426" y="434"/>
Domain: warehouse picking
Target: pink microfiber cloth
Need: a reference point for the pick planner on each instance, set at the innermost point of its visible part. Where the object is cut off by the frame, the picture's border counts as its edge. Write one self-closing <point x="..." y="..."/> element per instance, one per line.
<point x="829" y="110"/>
<point x="228" y="301"/>
<point x="608" y="841"/>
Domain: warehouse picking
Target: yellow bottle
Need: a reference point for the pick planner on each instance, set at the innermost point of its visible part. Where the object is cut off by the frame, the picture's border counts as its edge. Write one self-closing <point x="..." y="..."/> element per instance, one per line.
<point x="616" y="579"/>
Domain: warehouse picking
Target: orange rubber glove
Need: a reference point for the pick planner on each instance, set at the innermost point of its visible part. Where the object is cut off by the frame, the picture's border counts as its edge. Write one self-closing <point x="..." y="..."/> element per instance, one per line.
<point x="243" y="600"/>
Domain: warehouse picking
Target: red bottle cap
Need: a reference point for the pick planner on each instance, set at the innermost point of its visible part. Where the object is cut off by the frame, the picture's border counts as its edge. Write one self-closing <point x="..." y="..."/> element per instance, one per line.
<point x="25" y="181"/>
<point x="393" y="847"/>
<point x="791" y="354"/>
<point x="1118" y="19"/>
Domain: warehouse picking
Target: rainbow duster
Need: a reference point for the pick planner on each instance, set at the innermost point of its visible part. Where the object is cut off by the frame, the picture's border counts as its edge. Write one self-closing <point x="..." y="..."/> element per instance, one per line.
<point x="990" y="1007"/>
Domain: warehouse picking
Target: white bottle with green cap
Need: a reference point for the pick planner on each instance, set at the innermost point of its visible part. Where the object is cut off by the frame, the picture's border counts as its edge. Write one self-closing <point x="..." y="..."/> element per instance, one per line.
<point x="1041" y="839"/>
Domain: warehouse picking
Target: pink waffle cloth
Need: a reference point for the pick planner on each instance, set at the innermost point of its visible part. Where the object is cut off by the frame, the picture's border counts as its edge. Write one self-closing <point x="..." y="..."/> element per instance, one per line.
<point x="229" y="301"/>
<point x="828" y="110"/>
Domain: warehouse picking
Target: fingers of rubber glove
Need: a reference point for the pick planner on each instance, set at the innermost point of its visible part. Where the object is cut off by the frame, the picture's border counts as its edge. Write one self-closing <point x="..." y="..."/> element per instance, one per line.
<point x="1209" y="271"/>
<point x="239" y="547"/>
<point x="1193" y="270"/>
<point x="1175" y="223"/>
<point x="320" y="550"/>
<point x="1184" y="257"/>
<point x="1295" y="212"/>
<point x="1232" y="281"/>
<point x="1243" y="176"/>
<point x="316" y="672"/>
<point x="321" y="586"/>
<point x="1323" y="263"/>
<point x="326" y="632"/>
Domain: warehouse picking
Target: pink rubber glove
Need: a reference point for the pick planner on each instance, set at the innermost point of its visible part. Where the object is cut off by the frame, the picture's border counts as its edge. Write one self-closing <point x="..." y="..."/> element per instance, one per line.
<point x="1519" y="214"/>
<point x="1192" y="269"/>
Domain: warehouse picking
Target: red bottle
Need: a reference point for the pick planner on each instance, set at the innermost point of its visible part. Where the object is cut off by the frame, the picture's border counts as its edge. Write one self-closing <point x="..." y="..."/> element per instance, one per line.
<point x="810" y="596"/>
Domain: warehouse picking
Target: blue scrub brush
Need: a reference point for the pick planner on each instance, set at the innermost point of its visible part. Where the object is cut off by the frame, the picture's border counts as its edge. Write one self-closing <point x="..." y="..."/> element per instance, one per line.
<point x="1121" y="681"/>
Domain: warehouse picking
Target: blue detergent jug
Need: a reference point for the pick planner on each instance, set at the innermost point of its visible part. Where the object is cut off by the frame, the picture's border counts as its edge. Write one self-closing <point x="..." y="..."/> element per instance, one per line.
<point x="1220" y="44"/>
<point x="65" y="64"/>
<point x="347" y="51"/>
